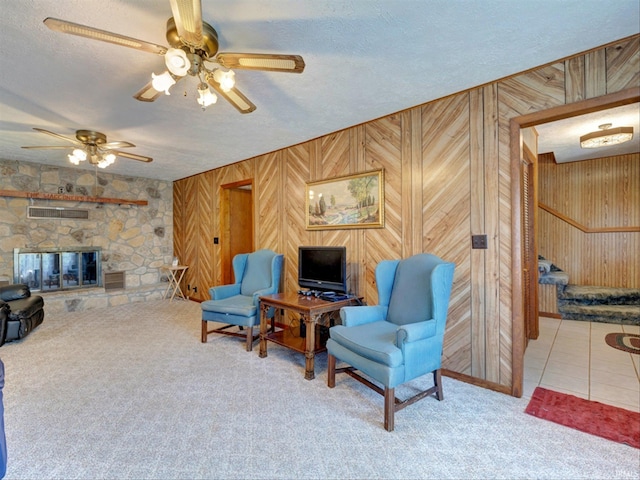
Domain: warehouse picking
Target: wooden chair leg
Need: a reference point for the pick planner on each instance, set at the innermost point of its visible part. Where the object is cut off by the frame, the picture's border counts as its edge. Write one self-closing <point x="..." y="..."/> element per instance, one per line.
<point x="437" y="381"/>
<point x="203" y="335"/>
<point x="331" y="371"/>
<point x="389" y="408"/>
<point x="249" y="339"/>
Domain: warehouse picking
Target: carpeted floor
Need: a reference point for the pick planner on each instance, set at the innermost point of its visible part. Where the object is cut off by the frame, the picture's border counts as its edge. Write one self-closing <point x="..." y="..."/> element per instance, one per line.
<point x="130" y="392"/>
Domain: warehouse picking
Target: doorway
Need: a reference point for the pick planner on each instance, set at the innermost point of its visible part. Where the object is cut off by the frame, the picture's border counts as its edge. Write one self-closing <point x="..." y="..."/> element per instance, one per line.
<point x="236" y="224"/>
<point x="521" y="197"/>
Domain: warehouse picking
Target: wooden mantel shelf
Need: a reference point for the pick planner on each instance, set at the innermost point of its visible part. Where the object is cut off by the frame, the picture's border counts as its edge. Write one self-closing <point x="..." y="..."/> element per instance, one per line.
<point x="70" y="198"/>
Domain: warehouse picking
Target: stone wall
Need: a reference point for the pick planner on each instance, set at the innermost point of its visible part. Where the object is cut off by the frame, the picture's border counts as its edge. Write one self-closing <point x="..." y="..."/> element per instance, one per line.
<point x="135" y="239"/>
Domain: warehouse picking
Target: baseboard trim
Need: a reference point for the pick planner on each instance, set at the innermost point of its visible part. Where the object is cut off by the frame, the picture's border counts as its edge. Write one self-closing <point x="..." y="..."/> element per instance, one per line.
<point x="479" y="382"/>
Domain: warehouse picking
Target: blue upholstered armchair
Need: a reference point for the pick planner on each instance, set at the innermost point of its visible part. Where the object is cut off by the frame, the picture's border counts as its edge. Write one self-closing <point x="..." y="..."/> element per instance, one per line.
<point x="399" y="339"/>
<point x="237" y="305"/>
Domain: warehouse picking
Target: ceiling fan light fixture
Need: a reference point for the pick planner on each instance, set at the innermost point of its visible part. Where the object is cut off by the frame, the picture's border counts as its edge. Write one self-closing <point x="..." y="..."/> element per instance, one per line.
<point x="163" y="82"/>
<point x="177" y="61"/>
<point x="73" y="159"/>
<point x="205" y="96"/>
<point x="227" y="80"/>
<point x="80" y="154"/>
<point x="606" y="136"/>
<point x="106" y="160"/>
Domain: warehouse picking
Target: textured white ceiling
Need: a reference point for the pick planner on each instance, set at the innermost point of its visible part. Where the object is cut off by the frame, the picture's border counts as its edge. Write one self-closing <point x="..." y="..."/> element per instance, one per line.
<point x="563" y="136"/>
<point x="365" y="59"/>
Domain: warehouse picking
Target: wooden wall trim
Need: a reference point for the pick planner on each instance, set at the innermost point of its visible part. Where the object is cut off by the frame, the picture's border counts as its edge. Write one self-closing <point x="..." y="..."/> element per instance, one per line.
<point x="624" y="97"/>
<point x="70" y="198"/>
<point x="584" y="229"/>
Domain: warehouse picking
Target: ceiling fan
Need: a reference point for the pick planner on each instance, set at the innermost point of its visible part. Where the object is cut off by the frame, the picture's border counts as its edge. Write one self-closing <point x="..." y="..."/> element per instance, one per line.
<point x="92" y="146"/>
<point x="194" y="44"/>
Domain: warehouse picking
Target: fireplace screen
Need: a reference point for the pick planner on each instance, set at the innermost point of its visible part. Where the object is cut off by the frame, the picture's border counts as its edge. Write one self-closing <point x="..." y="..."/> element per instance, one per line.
<point x="57" y="268"/>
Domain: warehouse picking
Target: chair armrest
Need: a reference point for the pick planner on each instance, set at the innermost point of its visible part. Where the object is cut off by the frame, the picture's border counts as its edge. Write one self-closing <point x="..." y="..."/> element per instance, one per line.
<point x="224" y="291"/>
<point x="353" y="316"/>
<point x="412" y="332"/>
<point x="262" y="292"/>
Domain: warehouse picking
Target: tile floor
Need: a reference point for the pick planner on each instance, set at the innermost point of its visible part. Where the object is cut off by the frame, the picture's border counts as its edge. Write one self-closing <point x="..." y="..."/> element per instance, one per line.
<point x="572" y="357"/>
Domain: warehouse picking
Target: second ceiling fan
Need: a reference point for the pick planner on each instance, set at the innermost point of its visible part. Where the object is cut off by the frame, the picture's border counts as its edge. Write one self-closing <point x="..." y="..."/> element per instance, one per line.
<point x="193" y="45"/>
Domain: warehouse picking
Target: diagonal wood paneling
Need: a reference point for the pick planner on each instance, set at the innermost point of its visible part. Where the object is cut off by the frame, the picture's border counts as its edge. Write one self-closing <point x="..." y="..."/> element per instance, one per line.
<point x="446" y="213"/>
<point x="179" y="218"/>
<point x="623" y="65"/>
<point x="448" y="174"/>
<point x="205" y="268"/>
<point x="267" y="201"/>
<point x="297" y="161"/>
<point x="383" y="149"/>
<point x="191" y="231"/>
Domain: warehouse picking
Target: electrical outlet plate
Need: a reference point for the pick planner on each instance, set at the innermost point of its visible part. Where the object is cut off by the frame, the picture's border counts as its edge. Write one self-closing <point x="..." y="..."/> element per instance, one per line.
<point x="479" y="241"/>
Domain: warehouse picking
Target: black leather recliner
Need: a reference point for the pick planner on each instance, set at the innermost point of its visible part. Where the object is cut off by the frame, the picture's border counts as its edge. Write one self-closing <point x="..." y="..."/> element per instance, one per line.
<point x="20" y="312"/>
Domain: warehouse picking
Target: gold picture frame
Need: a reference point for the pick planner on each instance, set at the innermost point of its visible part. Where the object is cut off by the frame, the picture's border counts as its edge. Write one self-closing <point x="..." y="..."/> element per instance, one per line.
<point x="351" y="201"/>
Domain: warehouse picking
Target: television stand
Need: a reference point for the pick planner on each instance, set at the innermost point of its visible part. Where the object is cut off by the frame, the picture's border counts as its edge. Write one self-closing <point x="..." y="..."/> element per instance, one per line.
<point x="312" y="310"/>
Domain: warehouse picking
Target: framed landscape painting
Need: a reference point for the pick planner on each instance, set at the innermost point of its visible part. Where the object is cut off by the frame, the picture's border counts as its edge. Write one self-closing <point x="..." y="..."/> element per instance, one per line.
<point x="352" y="201"/>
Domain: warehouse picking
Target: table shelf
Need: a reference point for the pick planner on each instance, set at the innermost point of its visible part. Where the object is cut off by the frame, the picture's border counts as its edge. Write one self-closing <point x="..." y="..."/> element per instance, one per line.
<point x="288" y="339"/>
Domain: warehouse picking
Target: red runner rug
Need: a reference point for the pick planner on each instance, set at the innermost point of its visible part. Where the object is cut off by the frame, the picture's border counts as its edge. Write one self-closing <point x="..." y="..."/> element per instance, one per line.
<point x="596" y="418"/>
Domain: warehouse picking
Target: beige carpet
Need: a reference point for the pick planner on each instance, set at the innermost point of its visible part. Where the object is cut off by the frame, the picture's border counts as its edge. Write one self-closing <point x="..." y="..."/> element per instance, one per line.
<point x="130" y="392"/>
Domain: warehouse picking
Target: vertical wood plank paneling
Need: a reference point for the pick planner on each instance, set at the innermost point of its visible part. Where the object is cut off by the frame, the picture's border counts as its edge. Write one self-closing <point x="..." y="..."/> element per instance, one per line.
<point x="547" y="299"/>
<point x="574" y="79"/>
<point x="623" y="65"/>
<point x="477" y="225"/>
<point x="407" y="179"/>
<point x="357" y="259"/>
<point x="492" y="279"/>
<point x="415" y="166"/>
<point x="446" y="214"/>
<point x="596" y="193"/>
<point x="595" y="73"/>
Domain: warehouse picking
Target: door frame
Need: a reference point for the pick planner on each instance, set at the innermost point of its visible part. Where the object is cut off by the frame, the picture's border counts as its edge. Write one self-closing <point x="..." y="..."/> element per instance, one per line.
<point x="624" y="97"/>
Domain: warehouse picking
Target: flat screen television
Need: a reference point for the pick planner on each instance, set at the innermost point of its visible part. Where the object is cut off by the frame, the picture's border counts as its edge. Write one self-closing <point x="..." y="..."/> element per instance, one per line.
<point x="323" y="268"/>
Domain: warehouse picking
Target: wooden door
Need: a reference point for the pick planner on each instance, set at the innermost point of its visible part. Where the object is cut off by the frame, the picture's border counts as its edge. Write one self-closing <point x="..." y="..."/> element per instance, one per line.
<point x="237" y="224"/>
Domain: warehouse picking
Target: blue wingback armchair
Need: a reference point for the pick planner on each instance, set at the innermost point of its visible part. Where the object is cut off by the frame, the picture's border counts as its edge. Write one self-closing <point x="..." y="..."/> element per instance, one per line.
<point x="255" y="274"/>
<point x="399" y="339"/>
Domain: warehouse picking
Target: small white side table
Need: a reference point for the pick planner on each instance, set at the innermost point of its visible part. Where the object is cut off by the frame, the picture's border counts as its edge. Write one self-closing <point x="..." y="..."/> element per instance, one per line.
<point x="175" y="275"/>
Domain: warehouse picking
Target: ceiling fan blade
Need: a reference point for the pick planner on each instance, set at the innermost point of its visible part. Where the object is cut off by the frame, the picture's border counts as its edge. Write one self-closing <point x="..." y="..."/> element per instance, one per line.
<point x="147" y="93"/>
<point x="132" y="156"/>
<point x="46" y="147"/>
<point x="57" y="135"/>
<point x="262" y="61"/>
<point x="188" y="17"/>
<point x="234" y="96"/>
<point x="112" y="145"/>
<point x="102" y="35"/>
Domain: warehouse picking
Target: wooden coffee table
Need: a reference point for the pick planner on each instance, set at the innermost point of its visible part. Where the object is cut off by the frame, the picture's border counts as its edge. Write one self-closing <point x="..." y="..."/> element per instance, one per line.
<point x="311" y="310"/>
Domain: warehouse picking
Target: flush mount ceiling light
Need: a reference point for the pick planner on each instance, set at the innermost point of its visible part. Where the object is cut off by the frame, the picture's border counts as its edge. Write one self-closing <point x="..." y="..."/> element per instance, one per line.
<point x="92" y="147"/>
<point x="606" y="136"/>
<point x="193" y="52"/>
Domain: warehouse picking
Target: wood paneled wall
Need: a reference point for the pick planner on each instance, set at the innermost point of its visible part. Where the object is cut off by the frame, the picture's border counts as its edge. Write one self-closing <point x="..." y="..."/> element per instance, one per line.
<point x="597" y="193"/>
<point x="447" y="176"/>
